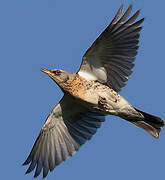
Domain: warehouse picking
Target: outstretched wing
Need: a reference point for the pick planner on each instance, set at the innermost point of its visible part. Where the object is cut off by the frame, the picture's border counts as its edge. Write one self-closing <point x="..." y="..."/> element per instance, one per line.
<point x="110" y="58"/>
<point x="67" y="127"/>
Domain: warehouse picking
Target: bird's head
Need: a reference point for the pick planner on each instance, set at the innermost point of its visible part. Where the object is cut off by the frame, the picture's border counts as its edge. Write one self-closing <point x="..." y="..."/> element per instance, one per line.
<point x="61" y="77"/>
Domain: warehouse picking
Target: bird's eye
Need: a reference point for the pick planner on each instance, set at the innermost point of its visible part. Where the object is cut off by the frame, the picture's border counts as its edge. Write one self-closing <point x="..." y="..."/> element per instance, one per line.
<point x="57" y="72"/>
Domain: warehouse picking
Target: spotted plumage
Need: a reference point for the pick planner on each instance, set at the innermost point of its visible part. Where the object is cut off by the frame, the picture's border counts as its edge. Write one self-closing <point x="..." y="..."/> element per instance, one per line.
<point x="91" y="94"/>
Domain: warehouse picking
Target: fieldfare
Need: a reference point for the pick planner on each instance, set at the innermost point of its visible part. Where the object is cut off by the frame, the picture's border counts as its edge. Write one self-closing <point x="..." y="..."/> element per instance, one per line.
<point x="91" y="94"/>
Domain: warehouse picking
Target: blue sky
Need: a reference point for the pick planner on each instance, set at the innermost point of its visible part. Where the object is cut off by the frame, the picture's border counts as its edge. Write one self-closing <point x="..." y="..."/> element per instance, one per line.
<point x="37" y="34"/>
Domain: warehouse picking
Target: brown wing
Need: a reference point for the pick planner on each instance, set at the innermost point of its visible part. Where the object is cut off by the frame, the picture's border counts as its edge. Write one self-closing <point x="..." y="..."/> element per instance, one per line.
<point x="110" y="58"/>
<point x="67" y="127"/>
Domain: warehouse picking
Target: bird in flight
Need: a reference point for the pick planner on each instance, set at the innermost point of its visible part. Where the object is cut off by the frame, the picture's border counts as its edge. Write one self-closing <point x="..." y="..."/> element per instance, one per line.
<point x="92" y="93"/>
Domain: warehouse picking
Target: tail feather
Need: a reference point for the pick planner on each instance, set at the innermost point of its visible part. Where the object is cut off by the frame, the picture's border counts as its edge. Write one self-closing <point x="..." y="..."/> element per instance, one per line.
<point x="151" y="124"/>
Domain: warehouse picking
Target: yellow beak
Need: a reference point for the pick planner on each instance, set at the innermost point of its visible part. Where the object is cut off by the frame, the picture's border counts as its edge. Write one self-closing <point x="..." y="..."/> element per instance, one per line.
<point x="48" y="72"/>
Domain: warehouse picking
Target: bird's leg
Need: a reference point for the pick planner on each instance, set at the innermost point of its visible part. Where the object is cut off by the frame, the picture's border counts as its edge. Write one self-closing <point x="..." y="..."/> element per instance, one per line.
<point x="102" y="103"/>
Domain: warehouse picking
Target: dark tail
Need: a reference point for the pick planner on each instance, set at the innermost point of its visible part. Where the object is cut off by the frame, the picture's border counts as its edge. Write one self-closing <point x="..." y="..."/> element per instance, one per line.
<point x="151" y="124"/>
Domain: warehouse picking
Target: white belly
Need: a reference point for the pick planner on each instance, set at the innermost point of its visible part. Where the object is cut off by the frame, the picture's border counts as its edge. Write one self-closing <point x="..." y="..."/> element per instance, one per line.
<point x="107" y="100"/>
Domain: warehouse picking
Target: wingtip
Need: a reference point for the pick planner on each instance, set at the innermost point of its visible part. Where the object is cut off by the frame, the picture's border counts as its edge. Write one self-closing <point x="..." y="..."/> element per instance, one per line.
<point x="27" y="161"/>
<point x="44" y="176"/>
<point x="130" y="7"/>
<point x="36" y="175"/>
<point x="138" y="11"/>
<point x="27" y="172"/>
<point x="121" y="6"/>
<point x="24" y="163"/>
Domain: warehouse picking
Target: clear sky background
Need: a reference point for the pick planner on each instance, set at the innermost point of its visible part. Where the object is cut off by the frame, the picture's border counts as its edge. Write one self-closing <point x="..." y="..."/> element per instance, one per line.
<point x="37" y="34"/>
